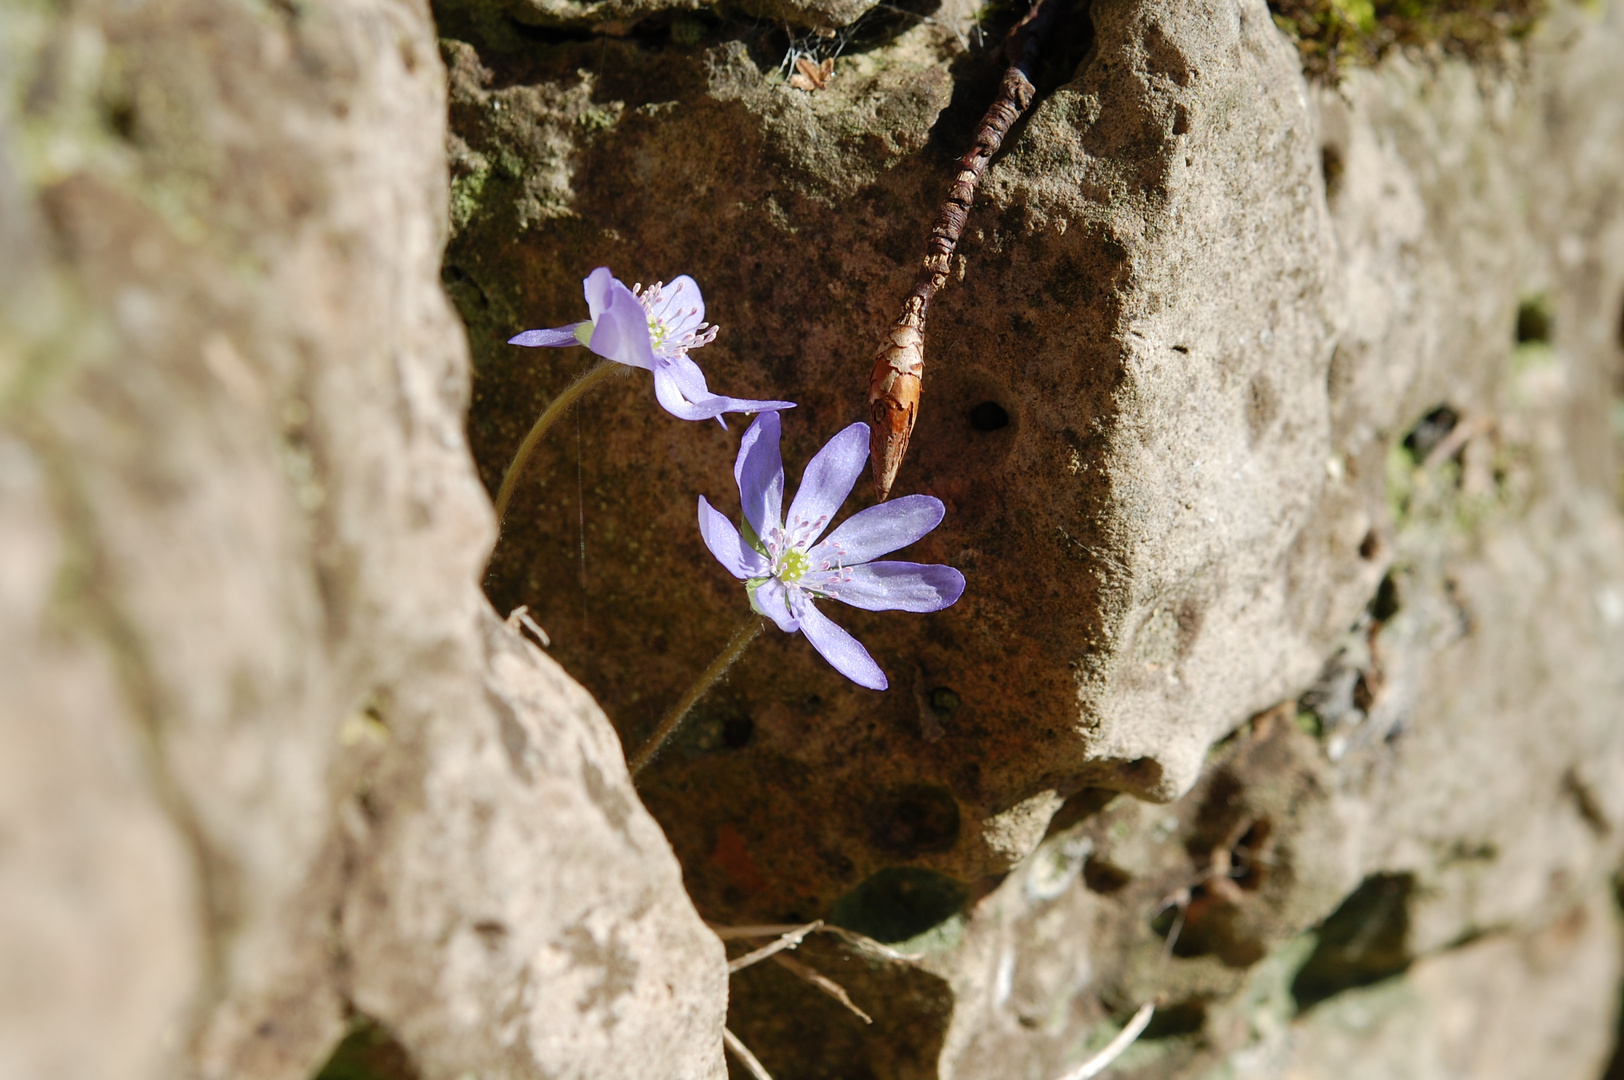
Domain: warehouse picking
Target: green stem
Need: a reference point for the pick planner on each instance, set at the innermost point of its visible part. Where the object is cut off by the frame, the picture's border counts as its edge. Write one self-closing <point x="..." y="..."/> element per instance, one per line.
<point x="742" y="637"/>
<point x="554" y="410"/>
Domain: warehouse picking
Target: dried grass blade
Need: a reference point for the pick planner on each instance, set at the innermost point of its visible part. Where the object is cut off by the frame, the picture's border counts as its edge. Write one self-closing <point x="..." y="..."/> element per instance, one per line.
<point x="732" y="933"/>
<point x="860" y="942"/>
<point x="746" y="1058"/>
<point x="824" y="983"/>
<point x="1115" y="1048"/>
<point x="787" y="941"/>
<point x="868" y="945"/>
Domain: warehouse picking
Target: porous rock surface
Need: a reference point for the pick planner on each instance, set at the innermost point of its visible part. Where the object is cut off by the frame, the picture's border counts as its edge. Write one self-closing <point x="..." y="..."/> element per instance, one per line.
<point x="1287" y="689"/>
<point x="274" y="772"/>
<point x="1305" y="520"/>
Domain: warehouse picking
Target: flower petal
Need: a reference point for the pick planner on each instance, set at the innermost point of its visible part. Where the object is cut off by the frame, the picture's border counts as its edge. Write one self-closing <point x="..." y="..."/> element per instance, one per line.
<point x="724" y="541"/>
<point x="890" y="586"/>
<point x="681" y="305"/>
<point x="556" y="337"/>
<point x="620" y="333"/>
<point x="844" y="652"/>
<point x="597" y="289"/>
<point x="824" y="486"/>
<point x="691" y="380"/>
<point x="772" y="600"/>
<point x="880" y="530"/>
<point x="759" y="471"/>
<point x="669" y="392"/>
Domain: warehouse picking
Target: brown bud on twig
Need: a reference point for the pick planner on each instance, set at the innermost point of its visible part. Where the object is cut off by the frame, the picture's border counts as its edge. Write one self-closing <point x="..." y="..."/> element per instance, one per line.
<point x="899" y="366"/>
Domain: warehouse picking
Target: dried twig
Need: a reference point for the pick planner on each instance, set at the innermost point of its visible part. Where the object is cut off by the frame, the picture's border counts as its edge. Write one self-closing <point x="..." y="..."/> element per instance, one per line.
<point x="1115" y="1048"/>
<point x="850" y="937"/>
<point x="899" y="366"/>
<point x="746" y="1058"/>
<point x="520" y="616"/>
<point x="869" y="945"/>
<point x="785" y="941"/>
<point x="733" y="933"/>
<point x="824" y="983"/>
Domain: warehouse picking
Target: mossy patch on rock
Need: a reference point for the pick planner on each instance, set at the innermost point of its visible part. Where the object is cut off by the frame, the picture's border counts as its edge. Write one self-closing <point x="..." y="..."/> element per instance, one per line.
<point x="1333" y="34"/>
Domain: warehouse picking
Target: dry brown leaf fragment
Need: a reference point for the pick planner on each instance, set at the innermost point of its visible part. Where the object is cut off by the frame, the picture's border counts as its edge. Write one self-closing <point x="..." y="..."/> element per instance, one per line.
<point x="809" y="76"/>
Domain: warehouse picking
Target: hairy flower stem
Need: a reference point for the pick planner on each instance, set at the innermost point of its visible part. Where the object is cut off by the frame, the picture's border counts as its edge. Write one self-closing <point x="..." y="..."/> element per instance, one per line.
<point x="899" y="366"/>
<point x="554" y="410"/>
<point x="747" y="632"/>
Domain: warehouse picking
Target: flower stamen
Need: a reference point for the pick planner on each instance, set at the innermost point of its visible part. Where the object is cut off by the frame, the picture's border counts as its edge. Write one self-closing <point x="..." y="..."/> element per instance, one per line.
<point x="792" y="566"/>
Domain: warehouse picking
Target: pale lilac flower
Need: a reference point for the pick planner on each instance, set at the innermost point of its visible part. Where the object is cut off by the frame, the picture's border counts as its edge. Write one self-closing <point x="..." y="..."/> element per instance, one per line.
<point x="785" y="567"/>
<point x="652" y="329"/>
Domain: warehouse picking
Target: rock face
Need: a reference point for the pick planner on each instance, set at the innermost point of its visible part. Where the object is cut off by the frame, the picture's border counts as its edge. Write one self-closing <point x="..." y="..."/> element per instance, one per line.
<point x="274" y="771"/>
<point x="1267" y="415"/>
<point x="1134" y="534"/>
<point x="1278" y="427"/>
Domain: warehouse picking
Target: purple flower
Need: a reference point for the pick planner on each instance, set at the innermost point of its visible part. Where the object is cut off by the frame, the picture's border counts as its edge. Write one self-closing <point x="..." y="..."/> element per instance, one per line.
<point x="784" y="567"/>
<point x="652" y="330"/>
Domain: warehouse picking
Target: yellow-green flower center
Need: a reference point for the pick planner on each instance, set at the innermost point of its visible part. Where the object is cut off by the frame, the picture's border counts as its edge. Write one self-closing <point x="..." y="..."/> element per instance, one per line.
<point x="792" y="566"/>
<point x="656" y="332"/>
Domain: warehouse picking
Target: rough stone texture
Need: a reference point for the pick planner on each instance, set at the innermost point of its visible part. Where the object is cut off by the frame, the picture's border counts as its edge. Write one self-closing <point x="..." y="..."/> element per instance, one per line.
<point x="1219" y="306"/>
<point x="273" y="766"/>
<point x="1535" y="1004"/>
<point x="1138" y="519"/>
<point x="1296" y="605"/>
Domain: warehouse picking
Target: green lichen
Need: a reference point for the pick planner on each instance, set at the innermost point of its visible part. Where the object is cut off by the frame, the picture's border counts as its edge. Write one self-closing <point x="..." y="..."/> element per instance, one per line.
<point x="468" y="189"/>
<point x="1334" y="34"/>
<point x="596" y="118"/>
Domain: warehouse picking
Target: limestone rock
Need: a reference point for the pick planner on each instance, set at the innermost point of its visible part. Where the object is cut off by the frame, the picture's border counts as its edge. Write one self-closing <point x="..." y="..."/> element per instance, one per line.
<point x="255" y="707"/>
<point x="1073" y="659"/>
<point x="1267" y="416"/>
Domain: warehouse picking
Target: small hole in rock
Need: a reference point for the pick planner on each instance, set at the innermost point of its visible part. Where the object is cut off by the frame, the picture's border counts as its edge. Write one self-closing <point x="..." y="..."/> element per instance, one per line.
<point x="989" y="416"/>
<point x="120" y="116"/>
<point x="1432" y="429"/>
<point x="1331" y="165"/>
<point x="1363" y="696"/>
<point x="1385" y="604"/>
<point x="1249" y="861"/>
<point x="898" y="903"/>
<point x="1162" y="923"/>
<point x="368" y="1052"/>
<point x="1104" y="878"/>
<point x="1177" y="1018"/>
<point x="1362" y="942"/>
<point x="1533" y="322"/>
<point x="1370" y="546"/>
<point x="736" y="733"/>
